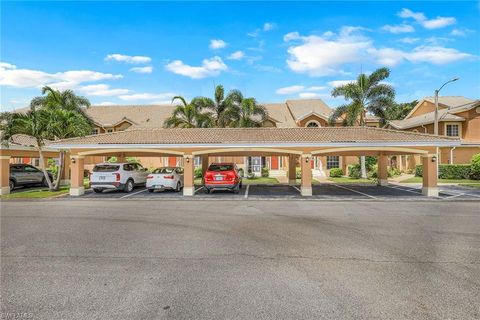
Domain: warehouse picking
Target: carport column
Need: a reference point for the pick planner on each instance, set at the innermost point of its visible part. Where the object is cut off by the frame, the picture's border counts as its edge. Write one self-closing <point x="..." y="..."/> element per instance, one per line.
<point x="429" y="166"/>
<point x="204" y="164"/>
<point x="292" y="167"/>
<point x="382" y="171"/>
<point x="188" y="176"/>
<point x="121" y="158"/>
<point x="4" y="175"/>
<point x="306" y="189"/>
<point x="76" y="186"/>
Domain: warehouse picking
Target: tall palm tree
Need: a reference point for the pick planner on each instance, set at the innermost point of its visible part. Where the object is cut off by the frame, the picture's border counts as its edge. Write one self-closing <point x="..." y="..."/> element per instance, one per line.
<point x="366" y="94"/>
<point x="246" y="113"/>
<point x="188" y="115"/>
<point x="221" y="106"/>
<point x="58" y="115"/>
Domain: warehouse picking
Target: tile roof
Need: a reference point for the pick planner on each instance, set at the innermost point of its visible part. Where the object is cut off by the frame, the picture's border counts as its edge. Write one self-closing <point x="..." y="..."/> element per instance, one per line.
<point x="232" y="136"/>
<point x="450" y="101"/>
<point x="303" y="107"/>
<point x="23" y="140"/>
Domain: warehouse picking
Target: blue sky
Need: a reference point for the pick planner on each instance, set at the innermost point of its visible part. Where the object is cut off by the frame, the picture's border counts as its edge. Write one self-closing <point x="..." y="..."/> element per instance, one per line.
<point x="142" y="53"/>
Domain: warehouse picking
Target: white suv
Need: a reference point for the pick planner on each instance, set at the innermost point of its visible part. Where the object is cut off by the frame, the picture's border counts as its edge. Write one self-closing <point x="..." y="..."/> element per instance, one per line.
<point x="118" y="176"/>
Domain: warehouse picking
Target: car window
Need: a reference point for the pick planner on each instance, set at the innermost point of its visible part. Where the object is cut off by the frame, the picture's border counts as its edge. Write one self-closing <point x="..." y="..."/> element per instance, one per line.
<point x="30" y="169"/>
<point x="220" y="167"/>
<point x="106" y="168"/>
<point x="128" y="167"/>
<point x="180" y="170"/>
<point x="163" y="170"/>
<point x="16" y="168"/>
<point x="138" y="166"/>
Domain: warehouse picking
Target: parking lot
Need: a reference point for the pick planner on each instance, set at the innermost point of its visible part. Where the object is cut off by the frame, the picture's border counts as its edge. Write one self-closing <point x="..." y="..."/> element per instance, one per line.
<point x="327" y="191"/>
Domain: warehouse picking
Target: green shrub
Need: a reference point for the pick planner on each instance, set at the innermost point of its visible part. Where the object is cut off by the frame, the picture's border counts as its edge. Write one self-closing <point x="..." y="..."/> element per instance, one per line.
<point x="393" y="172"/>
<point x="370" y="162"/>
<point x="475" y="167"/>
<point x="372" y="174"/>
<point x="354" y="171"/>
<point x="449" y="171"/>
<point x="197" y="172"/>
<point x="241" y="172"/>
<point x="265" y="172"/>
<point x="52" y="168"/>
<point x="298" y="173"/>
<point x="336" y="172"/>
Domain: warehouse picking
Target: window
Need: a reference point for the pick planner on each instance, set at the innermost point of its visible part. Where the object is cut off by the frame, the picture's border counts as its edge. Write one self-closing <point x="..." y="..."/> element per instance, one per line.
<point x="106" y="168"/>
<point x="31" y="169"/>
<point x="95" y="131"/>
<point x="109" y="130"/>
<point x="313" y="124"/>
<point x="197" y="161"/>
<point x="333" y="162"/>
<point x="220" y="167"/>
<point x="16" y="168"/>
<point x="452" y="130"/>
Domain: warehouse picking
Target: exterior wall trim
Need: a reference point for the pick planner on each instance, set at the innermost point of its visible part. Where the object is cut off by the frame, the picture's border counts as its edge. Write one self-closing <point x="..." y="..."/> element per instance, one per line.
<point x="386" y="148"/>
<point x="103" y="150"/>
<point x="196" y="153"/>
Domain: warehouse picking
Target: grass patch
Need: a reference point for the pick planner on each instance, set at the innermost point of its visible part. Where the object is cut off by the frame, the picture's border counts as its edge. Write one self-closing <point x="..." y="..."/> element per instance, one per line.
<point x="350" y="180"/>
<point x="419" y="180"/>
<point x="245" y="181"/>
<point x="36" y="193"/>
<point x="472" y="185"/>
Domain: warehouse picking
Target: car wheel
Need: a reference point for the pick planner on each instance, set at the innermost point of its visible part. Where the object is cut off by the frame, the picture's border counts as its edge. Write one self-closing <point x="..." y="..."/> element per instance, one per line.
<point x="96" y="190"/>
<point x="179" y="187"/>
<point x="236" y="190"/>
<point x="11" y="184"/>
<point x="129" y="186"/>
<point x="206" y="190"/>
<point x="44" y="182"/>
<point x="241" y="185"/>
<point x="150" y="190"/>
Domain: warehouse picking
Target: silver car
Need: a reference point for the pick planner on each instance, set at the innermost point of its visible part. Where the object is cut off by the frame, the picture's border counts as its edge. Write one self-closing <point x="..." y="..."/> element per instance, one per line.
<point x="26" y="175"/>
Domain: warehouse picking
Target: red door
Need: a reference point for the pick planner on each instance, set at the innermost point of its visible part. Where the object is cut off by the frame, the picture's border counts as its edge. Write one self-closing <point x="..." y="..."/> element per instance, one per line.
<point x="274" y="163"/>
<point x="172" y="161"/>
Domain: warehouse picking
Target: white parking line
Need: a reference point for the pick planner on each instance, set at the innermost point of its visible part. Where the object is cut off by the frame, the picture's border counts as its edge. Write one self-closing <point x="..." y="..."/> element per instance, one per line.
<point x="364" y="194"/>
<point x="198" y="189"/>
<point x="246" y="191"/>
<point x="407" y="190"/>
<point x="132" y="194"/>
<point x="296" y="188"/>
<point x="457" y="195"/>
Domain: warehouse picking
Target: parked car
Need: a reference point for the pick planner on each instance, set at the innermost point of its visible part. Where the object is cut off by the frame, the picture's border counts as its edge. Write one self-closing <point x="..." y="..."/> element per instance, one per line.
<point x="165" y="178"/>
<point x="117" y="176"/>
<point x="222" y="176"/>
<point x="26" y="175"/>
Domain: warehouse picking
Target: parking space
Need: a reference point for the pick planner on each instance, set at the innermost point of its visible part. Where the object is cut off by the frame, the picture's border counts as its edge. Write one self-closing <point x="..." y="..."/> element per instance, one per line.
<point x="326" y="191"/>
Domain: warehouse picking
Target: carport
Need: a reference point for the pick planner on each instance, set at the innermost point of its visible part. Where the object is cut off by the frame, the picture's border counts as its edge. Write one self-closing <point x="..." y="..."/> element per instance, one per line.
<point x="299" y="144"/>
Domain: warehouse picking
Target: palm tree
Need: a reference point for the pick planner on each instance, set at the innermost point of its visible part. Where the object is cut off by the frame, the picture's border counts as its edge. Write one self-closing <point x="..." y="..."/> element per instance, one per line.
<point x="221" y="107"/>
<point x="188" y="115"/>
<point x="58" y="115"/>
<point x="246" y="113"/>
<point x="366" y="94"/>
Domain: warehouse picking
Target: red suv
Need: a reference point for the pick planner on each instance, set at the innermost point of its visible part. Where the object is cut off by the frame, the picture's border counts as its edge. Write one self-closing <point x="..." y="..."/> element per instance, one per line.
<point x="222" y="176"/>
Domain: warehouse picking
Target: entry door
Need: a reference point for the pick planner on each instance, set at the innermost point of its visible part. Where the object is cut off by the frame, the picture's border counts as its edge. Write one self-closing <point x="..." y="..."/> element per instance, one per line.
<point x="172" y="161"/>
<point x="274" y="163"/>
<point x="256" y="164"/>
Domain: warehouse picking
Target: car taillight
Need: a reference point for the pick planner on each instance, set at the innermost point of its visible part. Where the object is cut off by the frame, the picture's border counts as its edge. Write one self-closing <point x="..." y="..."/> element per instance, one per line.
<point x="230" y="176"/>
<point x="208" y="176"/>
<point x="168" y="177"/>
<point x="149" y="177"/>
<point x="117" y="176"/>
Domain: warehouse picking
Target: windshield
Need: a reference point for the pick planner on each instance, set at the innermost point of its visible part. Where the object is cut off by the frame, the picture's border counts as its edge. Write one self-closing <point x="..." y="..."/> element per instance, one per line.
<point x="164" y="170"/>
<point x="106" y="168"/>
<point x="220" y="167"/>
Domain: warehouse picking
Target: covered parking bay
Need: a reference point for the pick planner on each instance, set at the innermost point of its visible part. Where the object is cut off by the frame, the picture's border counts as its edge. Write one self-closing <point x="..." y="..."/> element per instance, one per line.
<point x="299" y="144"/>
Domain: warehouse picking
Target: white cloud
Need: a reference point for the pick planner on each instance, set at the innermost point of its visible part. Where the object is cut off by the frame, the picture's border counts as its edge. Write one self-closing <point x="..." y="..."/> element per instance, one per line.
<point x="338" y="83"/>
<point x="102" y="90"/>
<point x="105" y="103"/>
<point x="237" y="55"/>
<point x="321" y="56"/>
<point x="402" y="28"/>
<point x="267" y="26"/>
<point x="147" y="96"/>
<point x="433" y="54"/>
<point x="311" y="95"/>
<point x="128" y="59"/>
<point x="12" y="76"/>
<point x="209" y="68"/>
<point x="436" y="23"/>
<point x="147" y="69"/>
<point x="290" y="89"/>
<point x="217" y="44"/>
<point x="409" y="40"/>
<point x="298" y="88"/>
<point x="460" y="32"/>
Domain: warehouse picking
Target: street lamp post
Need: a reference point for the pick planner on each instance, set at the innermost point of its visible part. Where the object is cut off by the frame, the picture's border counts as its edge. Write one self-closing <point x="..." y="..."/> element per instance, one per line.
<point x="435" y="123"/>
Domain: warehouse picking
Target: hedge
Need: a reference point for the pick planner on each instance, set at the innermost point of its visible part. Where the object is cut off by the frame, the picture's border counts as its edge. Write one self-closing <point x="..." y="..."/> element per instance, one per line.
<point x="475" y="167"/>
<point x="336" y="172"/>
<point x="449" y="171"/>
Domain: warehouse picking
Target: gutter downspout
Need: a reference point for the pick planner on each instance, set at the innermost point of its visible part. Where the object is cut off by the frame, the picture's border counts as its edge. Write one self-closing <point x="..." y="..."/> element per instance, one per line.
<point x="424" y="129"/>
<point x="451" y="154"/>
